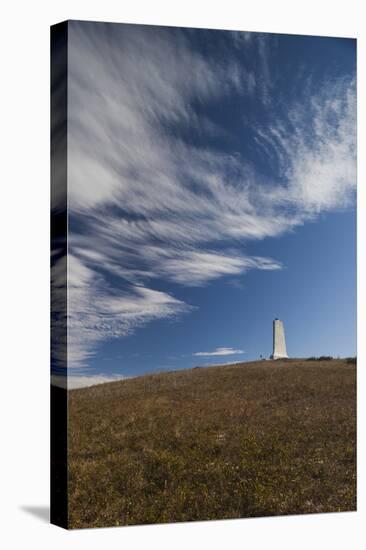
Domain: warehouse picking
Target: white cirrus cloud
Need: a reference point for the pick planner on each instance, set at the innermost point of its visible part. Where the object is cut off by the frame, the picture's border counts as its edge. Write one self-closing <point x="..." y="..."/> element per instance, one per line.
<point x="97" y="312"/>
<point x="219" y="351"/>
<point x="195" y="268"/>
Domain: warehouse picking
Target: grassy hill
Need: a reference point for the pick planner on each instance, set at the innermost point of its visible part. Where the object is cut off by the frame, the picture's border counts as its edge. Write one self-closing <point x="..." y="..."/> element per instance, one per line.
<point x="251" y="439"/>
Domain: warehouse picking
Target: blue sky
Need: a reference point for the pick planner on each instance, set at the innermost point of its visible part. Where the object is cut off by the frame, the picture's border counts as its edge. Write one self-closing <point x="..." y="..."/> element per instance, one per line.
<point x="211" y="180"/>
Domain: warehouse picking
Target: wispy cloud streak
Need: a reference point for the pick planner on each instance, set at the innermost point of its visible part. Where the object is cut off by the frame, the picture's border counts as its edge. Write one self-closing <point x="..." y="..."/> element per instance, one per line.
<point x="219" y="351"/>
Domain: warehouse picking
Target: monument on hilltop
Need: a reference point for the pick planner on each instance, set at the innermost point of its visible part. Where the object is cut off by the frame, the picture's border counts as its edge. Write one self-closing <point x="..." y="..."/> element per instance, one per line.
<point x="279" y="342"/>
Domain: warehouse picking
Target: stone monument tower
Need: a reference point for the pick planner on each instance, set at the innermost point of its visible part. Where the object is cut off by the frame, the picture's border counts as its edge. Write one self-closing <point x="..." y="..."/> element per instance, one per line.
<point x="279" y="342"/>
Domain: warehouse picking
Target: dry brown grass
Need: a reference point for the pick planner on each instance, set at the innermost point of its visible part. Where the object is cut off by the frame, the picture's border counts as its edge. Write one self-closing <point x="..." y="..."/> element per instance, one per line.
<point x="254" y="439"/>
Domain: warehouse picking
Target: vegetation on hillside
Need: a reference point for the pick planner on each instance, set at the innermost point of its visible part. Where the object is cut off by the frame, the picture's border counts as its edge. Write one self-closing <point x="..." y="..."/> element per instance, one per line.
<point x="252" y="439"/>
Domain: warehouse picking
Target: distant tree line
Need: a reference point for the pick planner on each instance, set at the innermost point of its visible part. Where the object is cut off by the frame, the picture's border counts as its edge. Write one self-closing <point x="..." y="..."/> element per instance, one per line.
<point x="350" y="360"/>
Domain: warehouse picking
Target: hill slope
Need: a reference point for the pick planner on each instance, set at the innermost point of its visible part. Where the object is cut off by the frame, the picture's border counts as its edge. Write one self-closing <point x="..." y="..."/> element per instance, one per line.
<point x="251" y="439"/>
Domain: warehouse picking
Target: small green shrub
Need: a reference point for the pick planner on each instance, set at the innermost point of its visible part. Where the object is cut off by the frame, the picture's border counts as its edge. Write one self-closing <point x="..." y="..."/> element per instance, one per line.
<point x="321" y="358"/>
